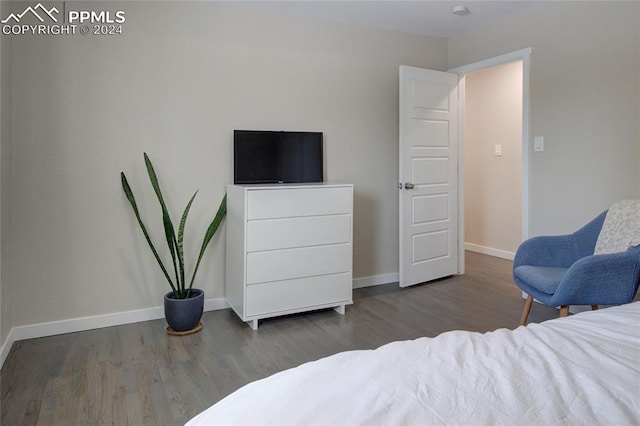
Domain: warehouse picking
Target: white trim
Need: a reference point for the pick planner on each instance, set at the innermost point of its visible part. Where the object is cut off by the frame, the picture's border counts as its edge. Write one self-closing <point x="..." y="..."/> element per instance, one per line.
<point x="6" y="347"/>
<point x="462" y="106"/>
<point x="215" y="304"/>
<point x="492" y="62"/>
<point x="526" y="158"/>
<point x="376" y="280"/>
<point x="503" y="254"/>
<point x="108" y="320"/>
<point x="523" y="55"/>
<point x="89" y="323"/>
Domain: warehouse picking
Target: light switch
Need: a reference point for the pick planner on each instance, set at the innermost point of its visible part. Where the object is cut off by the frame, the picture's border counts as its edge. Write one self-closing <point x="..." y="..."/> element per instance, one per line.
<point x="498" y="150"/>
<point x="538" y="143"/>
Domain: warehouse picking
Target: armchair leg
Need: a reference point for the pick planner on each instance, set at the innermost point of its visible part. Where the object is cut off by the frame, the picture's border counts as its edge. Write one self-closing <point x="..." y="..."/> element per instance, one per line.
<point x="594" y="307"/>
<point x="526" y="310"/>
<point x="564" y="311"/>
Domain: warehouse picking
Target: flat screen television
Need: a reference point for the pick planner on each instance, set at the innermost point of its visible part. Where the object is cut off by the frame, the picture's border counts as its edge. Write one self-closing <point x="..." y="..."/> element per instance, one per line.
<point x="277" y="157"/>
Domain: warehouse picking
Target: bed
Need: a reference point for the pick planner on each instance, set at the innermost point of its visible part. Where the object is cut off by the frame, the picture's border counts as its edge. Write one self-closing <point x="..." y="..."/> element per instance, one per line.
<point x="584" y="369"/>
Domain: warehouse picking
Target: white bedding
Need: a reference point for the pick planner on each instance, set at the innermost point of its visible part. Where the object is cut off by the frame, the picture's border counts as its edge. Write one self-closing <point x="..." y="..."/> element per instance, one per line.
<point x="584" y="369"/>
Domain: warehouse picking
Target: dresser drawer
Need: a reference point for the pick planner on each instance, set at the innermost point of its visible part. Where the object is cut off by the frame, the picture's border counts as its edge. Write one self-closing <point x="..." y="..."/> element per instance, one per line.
<point x="273" y="234"/>
<point x="281" y="296"/>
<point x="303" y="262"/>
<point x="293" y="202"/>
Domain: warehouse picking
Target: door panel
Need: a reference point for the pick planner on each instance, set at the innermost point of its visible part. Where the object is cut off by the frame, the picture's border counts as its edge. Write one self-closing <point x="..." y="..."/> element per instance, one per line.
<point x="430" y="208"/>
<point x="430" y="246"/>
<point x="430" y="171"/>
<point x="428" y="175"/>
<point x="430" y="132"/>
<point x="428" y="95"/>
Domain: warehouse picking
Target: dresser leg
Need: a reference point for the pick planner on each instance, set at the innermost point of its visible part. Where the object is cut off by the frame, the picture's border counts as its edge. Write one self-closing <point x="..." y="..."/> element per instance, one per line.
<point x="339" y="309"/>
<point x="253" y="324"/>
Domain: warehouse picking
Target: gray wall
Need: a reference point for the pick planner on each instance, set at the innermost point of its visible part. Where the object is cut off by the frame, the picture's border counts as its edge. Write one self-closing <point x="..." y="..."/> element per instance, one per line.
<point x="183" y="76"/>
<point x="585" y="101"/>
<point x="175" y="85"/>
<point x="5" y="166"/>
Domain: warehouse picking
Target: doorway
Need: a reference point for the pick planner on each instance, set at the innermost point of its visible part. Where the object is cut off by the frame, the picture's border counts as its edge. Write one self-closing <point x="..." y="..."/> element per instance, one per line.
<point x="522" y="56"/>
<point x="493" y="160"/>
<point x="425" y="93"/>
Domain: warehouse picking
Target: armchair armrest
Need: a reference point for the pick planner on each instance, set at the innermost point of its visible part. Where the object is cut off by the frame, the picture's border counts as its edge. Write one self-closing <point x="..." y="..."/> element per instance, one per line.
<point x="606" y="279"/>
<point x="553" y="251"/>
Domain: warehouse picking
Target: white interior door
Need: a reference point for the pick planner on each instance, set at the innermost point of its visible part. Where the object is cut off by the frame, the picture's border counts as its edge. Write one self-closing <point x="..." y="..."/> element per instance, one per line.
<point x="429" y="115"/>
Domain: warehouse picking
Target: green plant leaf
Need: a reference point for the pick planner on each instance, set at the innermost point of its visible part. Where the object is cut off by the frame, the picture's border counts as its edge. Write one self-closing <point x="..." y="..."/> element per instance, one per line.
<point x="169" y="230"/>
<point x="211" y="231"/>
<point x="175" y="242"/>
<point x="183" y="222"/>
<point x="127" y="191"/>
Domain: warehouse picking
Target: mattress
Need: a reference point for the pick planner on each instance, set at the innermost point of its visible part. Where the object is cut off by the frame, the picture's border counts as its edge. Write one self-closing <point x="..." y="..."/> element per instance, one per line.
<point x="583" y="369"/>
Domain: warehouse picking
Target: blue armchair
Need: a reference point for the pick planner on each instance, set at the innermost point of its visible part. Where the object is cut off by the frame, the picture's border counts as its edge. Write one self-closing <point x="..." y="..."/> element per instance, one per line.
<point x="562" y="270"/>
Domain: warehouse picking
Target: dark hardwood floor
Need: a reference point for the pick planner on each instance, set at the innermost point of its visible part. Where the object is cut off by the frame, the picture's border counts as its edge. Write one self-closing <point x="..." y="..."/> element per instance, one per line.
<point x="137" y="374"/>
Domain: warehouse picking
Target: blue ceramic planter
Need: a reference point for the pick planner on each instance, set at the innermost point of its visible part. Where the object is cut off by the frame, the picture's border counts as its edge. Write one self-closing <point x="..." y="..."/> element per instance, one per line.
<point x="184" y="314"/>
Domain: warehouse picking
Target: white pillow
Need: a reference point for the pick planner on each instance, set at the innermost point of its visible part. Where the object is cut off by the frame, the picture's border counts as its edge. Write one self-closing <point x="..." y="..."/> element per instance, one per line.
<point x="621" y="228"/>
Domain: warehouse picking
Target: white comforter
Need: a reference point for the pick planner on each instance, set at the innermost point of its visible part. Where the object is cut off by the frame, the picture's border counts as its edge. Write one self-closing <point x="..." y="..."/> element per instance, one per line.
<point x="584" y="369"/>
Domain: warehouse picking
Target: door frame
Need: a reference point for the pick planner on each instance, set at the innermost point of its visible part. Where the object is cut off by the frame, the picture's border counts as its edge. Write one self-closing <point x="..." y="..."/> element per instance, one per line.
<point x="523" y="55"/>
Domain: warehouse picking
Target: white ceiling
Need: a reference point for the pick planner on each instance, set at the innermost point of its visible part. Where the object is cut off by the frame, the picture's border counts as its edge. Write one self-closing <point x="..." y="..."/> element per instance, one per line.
<point x="426" y="17"/>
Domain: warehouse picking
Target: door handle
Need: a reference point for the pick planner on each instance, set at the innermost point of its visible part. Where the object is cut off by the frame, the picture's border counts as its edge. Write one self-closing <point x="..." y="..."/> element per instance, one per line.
<point x="409" y="185"/>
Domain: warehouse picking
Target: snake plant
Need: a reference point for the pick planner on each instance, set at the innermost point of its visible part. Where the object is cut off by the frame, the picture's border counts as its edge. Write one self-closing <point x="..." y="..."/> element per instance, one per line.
<point x="175" y="242"/>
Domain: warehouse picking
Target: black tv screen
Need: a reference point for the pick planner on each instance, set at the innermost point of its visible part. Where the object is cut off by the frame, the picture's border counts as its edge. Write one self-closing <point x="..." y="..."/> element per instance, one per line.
<point x="277" y="157"/>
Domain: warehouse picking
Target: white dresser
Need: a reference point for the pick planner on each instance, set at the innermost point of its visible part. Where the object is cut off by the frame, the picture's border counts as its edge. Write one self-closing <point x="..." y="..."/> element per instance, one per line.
<point x="289" y="249"/>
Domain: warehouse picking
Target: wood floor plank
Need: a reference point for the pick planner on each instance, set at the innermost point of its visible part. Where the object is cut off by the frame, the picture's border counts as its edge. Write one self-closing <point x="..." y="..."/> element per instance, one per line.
<point x="32" y="412"/>
<point x="137" y="374"/>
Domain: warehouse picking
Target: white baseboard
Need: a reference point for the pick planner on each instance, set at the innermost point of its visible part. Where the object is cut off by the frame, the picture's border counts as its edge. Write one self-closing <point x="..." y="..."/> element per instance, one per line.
<point x="6" y="347"/>
<point x="108" y="320"/>
<point x="489" y="251"/>
<point x="376" y="280"/>
<point x="89" y="323"/>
